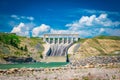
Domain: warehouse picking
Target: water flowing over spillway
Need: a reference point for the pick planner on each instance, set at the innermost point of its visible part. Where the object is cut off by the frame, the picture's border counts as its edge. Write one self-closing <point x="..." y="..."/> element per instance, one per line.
<point x="58" y="49"/>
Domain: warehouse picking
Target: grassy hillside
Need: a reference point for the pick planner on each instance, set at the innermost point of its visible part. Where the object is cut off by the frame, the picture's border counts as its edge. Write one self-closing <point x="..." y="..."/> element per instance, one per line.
<point x="17" y="46"/>
<point x="12" y="45"/>
<point x="108" y="37"/>
<point x="98" y="46"/>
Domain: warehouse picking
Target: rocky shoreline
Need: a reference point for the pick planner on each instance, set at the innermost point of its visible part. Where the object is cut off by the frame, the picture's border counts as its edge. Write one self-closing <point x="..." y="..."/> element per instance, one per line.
<point x="92" y="68"/>
<point x="65" y="73"/>
<point x="95" y="60"/>
<point x="13" y="59"/>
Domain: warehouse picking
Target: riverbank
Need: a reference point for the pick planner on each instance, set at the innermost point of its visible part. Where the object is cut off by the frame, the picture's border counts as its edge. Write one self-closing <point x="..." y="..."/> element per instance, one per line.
<point x="101" y="73"/>
<point x="91" y="68"/>
<point x="95" y="60"/>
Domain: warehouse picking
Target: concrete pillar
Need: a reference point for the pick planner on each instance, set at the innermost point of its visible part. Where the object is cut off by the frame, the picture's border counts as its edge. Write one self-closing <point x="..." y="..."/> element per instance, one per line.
<point x="63" y="40"/>
<point x="45" y="39"/>
<point x="67" y="40"/>
<point x="53" y="40"/>
<point x="48" y="39"/>
<point x="72" y="39"/>
<point x="58" y="40"/>
<point x="76" y="38"/>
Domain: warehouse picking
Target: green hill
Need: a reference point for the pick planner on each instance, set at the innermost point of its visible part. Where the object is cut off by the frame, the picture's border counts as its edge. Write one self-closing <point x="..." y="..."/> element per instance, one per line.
<point x="12" y="45"/>
<point x="98" y="46"/>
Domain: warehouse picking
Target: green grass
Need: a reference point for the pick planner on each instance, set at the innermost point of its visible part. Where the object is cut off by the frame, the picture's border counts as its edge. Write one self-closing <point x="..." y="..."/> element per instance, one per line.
<point x="108" y="37"/>
<point x="99" y="49"/>
<point x="81" y="40"/>
<point x="36" y="40"/>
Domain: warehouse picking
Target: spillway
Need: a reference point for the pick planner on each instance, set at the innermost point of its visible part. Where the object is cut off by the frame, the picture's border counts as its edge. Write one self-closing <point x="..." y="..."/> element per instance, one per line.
<point x="58" y="49"/>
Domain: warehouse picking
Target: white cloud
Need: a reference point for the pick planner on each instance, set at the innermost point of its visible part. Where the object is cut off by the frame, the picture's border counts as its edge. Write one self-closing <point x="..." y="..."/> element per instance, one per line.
<point x="53" y="31"/>
<point x="18" y="28"/>
<point x="38" y="31"/>
<point x="15" y="16"/>
<point x="23" y="29"/>
<point x="30" y="18"/>
<point x="91" y="26"/>
<point x="86" y="26"/>
<point x="93" y="21"/>
<point x="22" y="17"/>
<point x="113" y="32"/>
<point x="92" y="11"/>
<point x="101" y="30"/>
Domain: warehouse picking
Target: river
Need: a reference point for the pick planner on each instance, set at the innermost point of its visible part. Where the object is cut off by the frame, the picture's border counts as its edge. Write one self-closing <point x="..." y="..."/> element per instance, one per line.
<point x="33" y="65"/>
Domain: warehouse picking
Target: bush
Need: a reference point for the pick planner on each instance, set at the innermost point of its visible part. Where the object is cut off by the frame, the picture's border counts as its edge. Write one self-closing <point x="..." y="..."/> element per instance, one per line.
<point x="21" y="48"/>
<point x="25" y="48"/>
<point x="9" y="38"/>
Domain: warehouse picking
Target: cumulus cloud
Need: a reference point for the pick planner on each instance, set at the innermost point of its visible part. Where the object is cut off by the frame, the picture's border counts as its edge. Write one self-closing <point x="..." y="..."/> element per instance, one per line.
<point x="38" y="31"/>
<point x="86" y="27"/>
<point x="23" y="29"/>
<point x="93" y="21"/>
<point x="90" y="26"/>
<point x="22" y="17"/>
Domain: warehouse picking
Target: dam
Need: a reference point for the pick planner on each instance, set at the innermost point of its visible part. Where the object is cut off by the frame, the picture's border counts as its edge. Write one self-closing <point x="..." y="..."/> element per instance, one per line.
<point x="57" y="46"/>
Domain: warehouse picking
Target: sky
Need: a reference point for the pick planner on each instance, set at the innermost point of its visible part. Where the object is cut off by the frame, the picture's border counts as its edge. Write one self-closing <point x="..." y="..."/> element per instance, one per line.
<point x="88" y="18"/>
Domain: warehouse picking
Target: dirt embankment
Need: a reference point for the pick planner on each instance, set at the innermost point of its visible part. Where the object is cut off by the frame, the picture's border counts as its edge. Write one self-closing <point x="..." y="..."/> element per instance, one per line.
<point x="95" y="47"/>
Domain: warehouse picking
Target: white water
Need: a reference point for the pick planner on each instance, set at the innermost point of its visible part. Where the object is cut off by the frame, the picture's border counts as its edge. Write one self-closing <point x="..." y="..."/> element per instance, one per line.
<point x="58" y="49"/>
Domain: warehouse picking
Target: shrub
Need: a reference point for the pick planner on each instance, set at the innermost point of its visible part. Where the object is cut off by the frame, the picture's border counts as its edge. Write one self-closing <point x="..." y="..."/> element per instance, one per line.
<point x="11" y="39"/>
<point x="25" y="48"/>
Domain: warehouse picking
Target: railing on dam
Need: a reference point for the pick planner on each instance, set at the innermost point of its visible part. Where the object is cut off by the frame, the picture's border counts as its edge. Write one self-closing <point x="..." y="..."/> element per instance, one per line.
<point x="60" y="38"/>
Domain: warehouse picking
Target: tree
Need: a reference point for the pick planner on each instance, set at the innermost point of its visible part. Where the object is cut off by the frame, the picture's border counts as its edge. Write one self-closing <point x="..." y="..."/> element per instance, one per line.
<point x="25" y="48"/>
<point x="10" y="39"/>
<point x="21" y="48"/>
<point x="41" y="56"/>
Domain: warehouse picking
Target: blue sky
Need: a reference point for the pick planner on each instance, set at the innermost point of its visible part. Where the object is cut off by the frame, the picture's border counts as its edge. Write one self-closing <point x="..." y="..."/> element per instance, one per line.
<point x="37" y="17"/>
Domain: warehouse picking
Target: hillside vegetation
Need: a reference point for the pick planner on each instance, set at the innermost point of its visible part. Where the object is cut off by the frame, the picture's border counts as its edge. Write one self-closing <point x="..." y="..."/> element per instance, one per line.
<point x="12" y="45"/>
<point x="16" y="48"/>
<point x="98" y="46"/>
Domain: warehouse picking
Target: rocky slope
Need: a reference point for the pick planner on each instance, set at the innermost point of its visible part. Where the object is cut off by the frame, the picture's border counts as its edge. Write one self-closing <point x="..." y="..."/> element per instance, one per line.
<point x="25" y="48"/>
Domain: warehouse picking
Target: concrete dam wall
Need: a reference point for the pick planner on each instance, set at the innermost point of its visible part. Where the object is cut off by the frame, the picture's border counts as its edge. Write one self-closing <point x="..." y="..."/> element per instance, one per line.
<point x="57" y="46"/>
